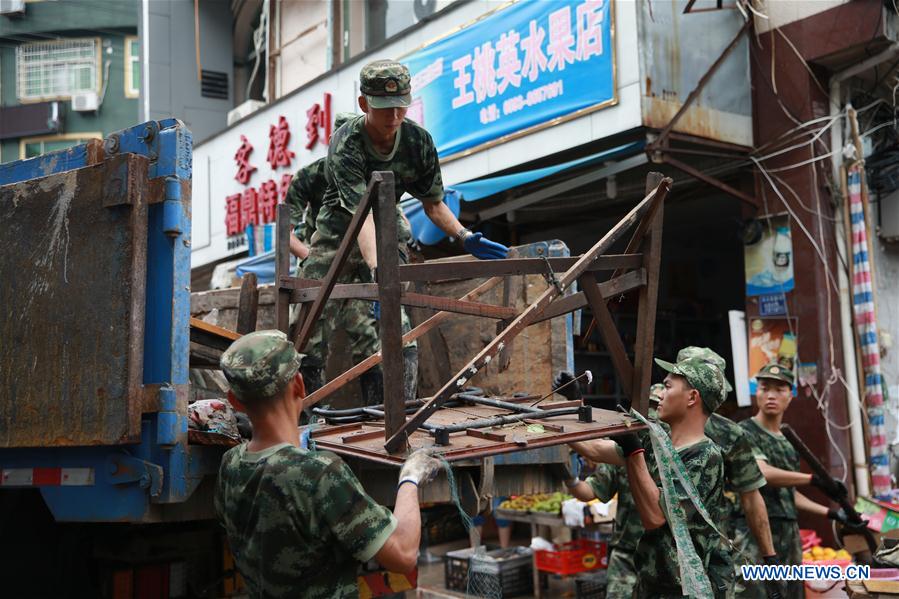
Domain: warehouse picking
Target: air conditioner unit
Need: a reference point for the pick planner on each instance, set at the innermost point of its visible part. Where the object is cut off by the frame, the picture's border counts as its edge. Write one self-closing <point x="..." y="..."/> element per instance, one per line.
<point x="12" y="7"/>
<point x="85" y="102"/>
<point x="245" y="109"/>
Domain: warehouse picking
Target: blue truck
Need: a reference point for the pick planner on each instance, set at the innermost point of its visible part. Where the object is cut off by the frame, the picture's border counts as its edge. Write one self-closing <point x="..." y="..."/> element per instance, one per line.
<point x="102" y="494"/>
<point x="97" y="477"/>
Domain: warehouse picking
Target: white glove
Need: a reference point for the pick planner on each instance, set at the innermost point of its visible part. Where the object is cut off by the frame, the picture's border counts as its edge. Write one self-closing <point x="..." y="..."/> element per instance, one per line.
<point x="421" y="467"/>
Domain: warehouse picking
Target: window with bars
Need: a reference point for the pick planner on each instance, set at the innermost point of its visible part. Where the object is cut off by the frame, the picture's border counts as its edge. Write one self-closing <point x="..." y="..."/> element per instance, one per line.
<point x="57" y="69"/>
<point x="132" y="67"/>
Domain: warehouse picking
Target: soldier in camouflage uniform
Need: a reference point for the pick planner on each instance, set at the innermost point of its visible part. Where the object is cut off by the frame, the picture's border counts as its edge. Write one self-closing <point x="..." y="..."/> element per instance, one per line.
<point x="603" y="484"/>
<point x="693" y="390"/>
<point x="743" y="478"/>
<point x="298" y="521"/>
<point x="304" y="196"/>
<point x="779" y="462"/>
<point x="380" y="140"/>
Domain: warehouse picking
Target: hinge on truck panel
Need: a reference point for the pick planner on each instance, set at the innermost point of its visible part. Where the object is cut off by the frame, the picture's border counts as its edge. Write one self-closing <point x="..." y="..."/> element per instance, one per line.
<point x="123" y="469"/>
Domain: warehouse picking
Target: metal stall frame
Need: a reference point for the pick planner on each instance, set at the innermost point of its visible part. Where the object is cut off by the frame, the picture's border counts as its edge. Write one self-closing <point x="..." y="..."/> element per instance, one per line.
<point x="637" y="268"/>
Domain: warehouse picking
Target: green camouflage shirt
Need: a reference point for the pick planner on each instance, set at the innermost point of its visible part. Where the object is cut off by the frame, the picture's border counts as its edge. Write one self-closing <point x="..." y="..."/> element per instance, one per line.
<point x="605" y="482"/>
<point x="740" y="468"/>
<point x="774" y="449"/>
<point x="298" y="522"/>
<point x="657" y="566"/>
<point x="304" y="196"/>
<point x="351" y="161"/>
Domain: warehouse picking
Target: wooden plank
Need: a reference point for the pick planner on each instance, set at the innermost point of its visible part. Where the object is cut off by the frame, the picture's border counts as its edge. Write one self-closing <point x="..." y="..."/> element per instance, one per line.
<point x="373" y="360"/>
<point x="390" y="326"/>
<point x="282" y="266"/>
<point x="609" y="333"/>
<point x="340" y="257"/>
<point x="648" y="302"/>
<point x="210" y="335"/>
<point x="248" y="306"/>
<point x="535" y="309"/>
<point x="480" y="434"/>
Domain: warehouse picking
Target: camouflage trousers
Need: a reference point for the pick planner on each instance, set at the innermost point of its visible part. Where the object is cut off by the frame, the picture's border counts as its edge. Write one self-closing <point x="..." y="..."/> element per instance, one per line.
<point x="354" y="317"/>
<point x="621" y="575"/>
<point x="788" y="546"/>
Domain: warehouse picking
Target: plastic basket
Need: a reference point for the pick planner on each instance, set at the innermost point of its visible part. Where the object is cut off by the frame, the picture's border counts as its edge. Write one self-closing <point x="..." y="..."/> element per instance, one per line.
<point x="501" y="574"/>
<point x="591" y="585"/>
<point x="581" y="555"/>
<point x="455" y="569"/>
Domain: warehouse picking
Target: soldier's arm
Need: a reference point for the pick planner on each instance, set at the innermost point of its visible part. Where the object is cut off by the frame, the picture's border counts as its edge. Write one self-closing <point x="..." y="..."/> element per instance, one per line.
<point x="805" y="504"/>
<point x="400" y="551"/>
<point x="645" y="492"/>
<point x="778" y="477"/>
<point x="297" y="247"/>
<point x="602" y="451"/>
<point x="757" y="518"/>
<point x="440" y="214"/>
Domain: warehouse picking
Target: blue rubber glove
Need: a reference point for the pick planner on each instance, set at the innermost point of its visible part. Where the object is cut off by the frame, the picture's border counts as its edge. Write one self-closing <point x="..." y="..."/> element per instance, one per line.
<point x="482" y="248"/>
<point x="375" y="310"/>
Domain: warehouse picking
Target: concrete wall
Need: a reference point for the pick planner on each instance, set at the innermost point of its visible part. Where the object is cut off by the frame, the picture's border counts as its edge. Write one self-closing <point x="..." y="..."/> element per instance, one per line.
<point x="174" y="89"/>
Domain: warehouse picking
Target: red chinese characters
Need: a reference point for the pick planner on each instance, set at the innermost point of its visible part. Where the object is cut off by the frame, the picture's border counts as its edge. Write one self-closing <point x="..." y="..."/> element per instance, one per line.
<point x="232" y="215"/>
<point x="279" y="138"/>
<point x="267" y="201"/>
<point x="249" y="214"/>
<point x="242" y="158"/>
<point x="318" y="117"/>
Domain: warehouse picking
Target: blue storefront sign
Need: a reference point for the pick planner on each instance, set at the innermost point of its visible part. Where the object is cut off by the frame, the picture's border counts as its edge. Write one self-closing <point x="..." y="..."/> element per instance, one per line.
<point x="522" y="67"/>
<point x="772" y="304"/>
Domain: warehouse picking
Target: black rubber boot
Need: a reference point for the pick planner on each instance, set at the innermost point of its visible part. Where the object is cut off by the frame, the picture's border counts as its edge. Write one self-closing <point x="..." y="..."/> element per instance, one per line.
<point x="372" y="383"/>
<point x="410" y="373"/>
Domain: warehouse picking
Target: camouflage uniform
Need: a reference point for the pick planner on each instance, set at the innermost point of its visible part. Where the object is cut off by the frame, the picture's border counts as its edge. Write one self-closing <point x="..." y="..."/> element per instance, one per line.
<point x="658" y="570"/>
<point x="774" y="449"/>
<point x="298" y="522"/>
<point x="622" y="574"/>
<point x="352" y="158"/>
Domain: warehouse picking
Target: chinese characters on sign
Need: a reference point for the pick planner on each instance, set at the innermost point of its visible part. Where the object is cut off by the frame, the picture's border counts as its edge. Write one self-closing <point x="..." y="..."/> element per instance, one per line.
<point x="524" y="65"/>
<point x="258" y="205"/>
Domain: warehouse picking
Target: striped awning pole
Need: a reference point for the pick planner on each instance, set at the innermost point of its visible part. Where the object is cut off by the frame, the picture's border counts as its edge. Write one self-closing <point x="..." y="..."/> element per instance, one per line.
<point x="866" y="327"/>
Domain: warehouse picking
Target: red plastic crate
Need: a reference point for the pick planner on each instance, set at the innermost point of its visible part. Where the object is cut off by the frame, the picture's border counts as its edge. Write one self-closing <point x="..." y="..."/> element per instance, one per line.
<point x="809" y="538"/>
<point x="580" y="555"/>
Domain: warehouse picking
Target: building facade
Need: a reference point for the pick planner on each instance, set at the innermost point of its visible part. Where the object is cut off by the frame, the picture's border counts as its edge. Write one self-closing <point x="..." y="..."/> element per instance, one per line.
<point x="69" y="72"/>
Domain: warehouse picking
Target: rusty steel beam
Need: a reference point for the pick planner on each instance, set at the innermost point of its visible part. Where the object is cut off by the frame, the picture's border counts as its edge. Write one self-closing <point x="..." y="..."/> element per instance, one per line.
<point x="369" y="291"/>
<point x="390" y="327"/>
<point x="282" y="267"/>
<point x="646" y="312"/>
<point x="610" y="337"/>
<point x="696" y="173"/>
<point x="373" y="360"/>
<point x="343" y="252"/>
<point x="648" y="204"/>
<point x="609" y="289"/>
<point x="470" y="269"/>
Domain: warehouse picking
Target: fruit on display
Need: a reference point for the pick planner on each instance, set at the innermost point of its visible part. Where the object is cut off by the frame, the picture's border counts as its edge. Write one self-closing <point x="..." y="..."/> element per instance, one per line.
<point x="541" y="502"/>
<point x="818" y="553"/>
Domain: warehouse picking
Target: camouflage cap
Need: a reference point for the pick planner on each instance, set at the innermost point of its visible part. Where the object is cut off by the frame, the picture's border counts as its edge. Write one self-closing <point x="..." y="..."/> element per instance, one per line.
<point x="259" y="365"/>
<point x="702" y="376"/>
<point x="386" y="84"/>
<point x="776" y="372"/>
<point x="655" y="393"/>
<point x="707" y="355"/>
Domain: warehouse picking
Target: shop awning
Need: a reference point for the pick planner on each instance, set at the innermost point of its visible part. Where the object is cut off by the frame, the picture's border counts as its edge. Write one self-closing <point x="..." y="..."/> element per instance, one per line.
<point x="427" y="233"/>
